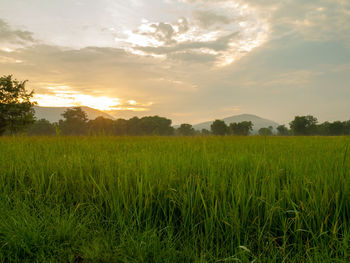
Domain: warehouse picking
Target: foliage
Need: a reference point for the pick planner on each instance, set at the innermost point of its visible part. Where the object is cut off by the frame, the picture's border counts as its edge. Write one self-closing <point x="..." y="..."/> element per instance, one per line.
<point x="151" y="125"/>
<point x="219" y="127"/>
<point x="16" y="108"/>
<point x="282" y="130"/>
<point x="205" y="132"/>
<point x="186" y="130"/>
<point x="101" y="126"/>
<point x="204" y="199"/>
<point x="334" y="128"/>
<point x="155" y="125"/>
<point x="42" y="127"/>
<point x="266" y="131"/>
<point x="120" y="127"/>
<point x="304" y="125"/>
<point x="241" y="129"/>
<point x="75" y="122"/>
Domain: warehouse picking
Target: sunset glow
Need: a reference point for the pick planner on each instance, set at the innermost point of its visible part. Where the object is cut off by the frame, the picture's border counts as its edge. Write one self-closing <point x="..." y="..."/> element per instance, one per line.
<point x="193" y="59"/>
<point x="63" y="100"/>
<point x="6" y="49"/>
<point x="63" y="96"/>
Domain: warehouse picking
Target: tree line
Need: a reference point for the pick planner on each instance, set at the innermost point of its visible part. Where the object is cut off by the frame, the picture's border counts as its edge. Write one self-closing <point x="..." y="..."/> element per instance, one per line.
<point x="17" y="116"/>
<point x="75" y="122"/>
<point x="300" y="126"/>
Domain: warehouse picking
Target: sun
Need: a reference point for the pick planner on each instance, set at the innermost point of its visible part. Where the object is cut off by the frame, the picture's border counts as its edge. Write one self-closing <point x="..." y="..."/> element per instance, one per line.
<point x="63" y="97"/>
<point x="100" y="103"/>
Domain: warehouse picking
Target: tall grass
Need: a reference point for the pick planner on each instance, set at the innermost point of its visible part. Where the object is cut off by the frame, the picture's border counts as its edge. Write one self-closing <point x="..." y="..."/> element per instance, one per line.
<point x="210" y="199"/>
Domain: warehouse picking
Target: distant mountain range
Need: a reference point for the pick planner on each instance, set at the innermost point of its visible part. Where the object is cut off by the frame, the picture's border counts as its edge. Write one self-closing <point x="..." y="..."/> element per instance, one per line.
<point x="257" y="121"/>
<point x="54" y="114"/>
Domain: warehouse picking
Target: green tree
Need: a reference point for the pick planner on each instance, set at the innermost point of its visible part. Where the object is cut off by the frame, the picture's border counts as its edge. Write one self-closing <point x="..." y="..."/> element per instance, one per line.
<point x="155" y="125"/>
<point x="205" y="132"/>
<point x="332" y="128"/>
<point x="265" y="131"/>
<point x="282" y="130"/>
<point x="219" y="127"/>
<point x="304" y="125"/>
<point x="101" y="125"/>
<point x="241" y="129"/>
<point x="337" y="128"/>
<point x="133" y="126"/>
<point x="186" y="130"/>
<point x="120" y="127"/>
<point x="323" y="129"/>
<point x="16" y="108"/>
<point x="42" y="127"/>
<point x="347" y="127"/>
<point x="75" y="122"/>
<point x="150" y="125"/>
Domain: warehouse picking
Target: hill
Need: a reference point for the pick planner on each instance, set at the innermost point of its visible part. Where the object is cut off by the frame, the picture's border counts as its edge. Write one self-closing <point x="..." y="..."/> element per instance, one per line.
<point x="53" y="114"/>
<point x="257" y="121"/>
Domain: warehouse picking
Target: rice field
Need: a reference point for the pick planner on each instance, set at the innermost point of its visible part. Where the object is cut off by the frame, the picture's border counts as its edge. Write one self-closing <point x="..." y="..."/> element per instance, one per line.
<point x="169" y="199"/>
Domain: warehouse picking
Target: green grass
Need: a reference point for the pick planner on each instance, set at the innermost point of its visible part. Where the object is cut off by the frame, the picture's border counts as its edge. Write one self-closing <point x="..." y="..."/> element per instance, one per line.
<point x="210" y="199"/>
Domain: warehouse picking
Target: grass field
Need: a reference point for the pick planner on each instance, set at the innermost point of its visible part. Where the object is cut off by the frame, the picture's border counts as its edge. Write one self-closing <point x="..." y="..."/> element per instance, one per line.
<point x="203" y="199"/>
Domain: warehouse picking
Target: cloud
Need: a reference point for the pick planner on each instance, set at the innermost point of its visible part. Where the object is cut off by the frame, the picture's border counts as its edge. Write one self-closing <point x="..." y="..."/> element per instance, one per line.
<point x="205" y="47"/>
<point x="9" y="35"/>
<point x="164" y="32"/>
<point x="64" y="76"/>
<point x="65" y="96"/>
<point x="208" y="18"/>
<point x="277" y="59"/>
<point x="320" y="20"/>
<point x="218" y="33"/>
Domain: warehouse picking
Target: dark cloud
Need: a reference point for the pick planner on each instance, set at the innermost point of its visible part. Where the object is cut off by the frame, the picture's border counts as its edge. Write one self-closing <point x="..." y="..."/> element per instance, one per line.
<point x="164" y="32"/>
<point x="10" y="35"/>
<point x="220" y="44"/>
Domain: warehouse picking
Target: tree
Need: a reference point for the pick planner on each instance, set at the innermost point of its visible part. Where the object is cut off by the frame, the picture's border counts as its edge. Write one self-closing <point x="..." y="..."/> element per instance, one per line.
<point x="323" y="129"/>
<point x="16" y="108"/>
<point x="120" y="127"/>
<point x="151" y="125"/>
<point x="347" y="127"/>
<point x="101" y="125"/>
<point x="304" y="125"/>
<point x="155" y="125"/>
<point x="74" y="123"/>
<point x="337" y="128"/>
<point x="219" y="127"/>
<point x="205" y="132"/>
<point x="186" y="130"/>
<point x="282" y="130"/>
<point x="133" y="126"/>
<point x="42" y="127"/>
<point x="332" y="128"/>
<point x="265" y="131"/>
<point x="241" y="129"/>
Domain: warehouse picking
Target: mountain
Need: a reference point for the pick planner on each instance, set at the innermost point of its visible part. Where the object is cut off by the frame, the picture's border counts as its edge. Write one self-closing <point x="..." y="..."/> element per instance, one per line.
<point x="257" y="121"/>
<point x="53" y="114"/>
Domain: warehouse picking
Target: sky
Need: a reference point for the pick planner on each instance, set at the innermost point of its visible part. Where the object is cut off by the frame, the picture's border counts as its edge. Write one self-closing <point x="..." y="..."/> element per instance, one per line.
<point x="188" y="60"/>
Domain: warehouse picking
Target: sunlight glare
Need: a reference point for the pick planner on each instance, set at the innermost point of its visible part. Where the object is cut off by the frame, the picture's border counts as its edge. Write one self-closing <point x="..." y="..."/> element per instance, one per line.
<point x="72" y="99"/>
